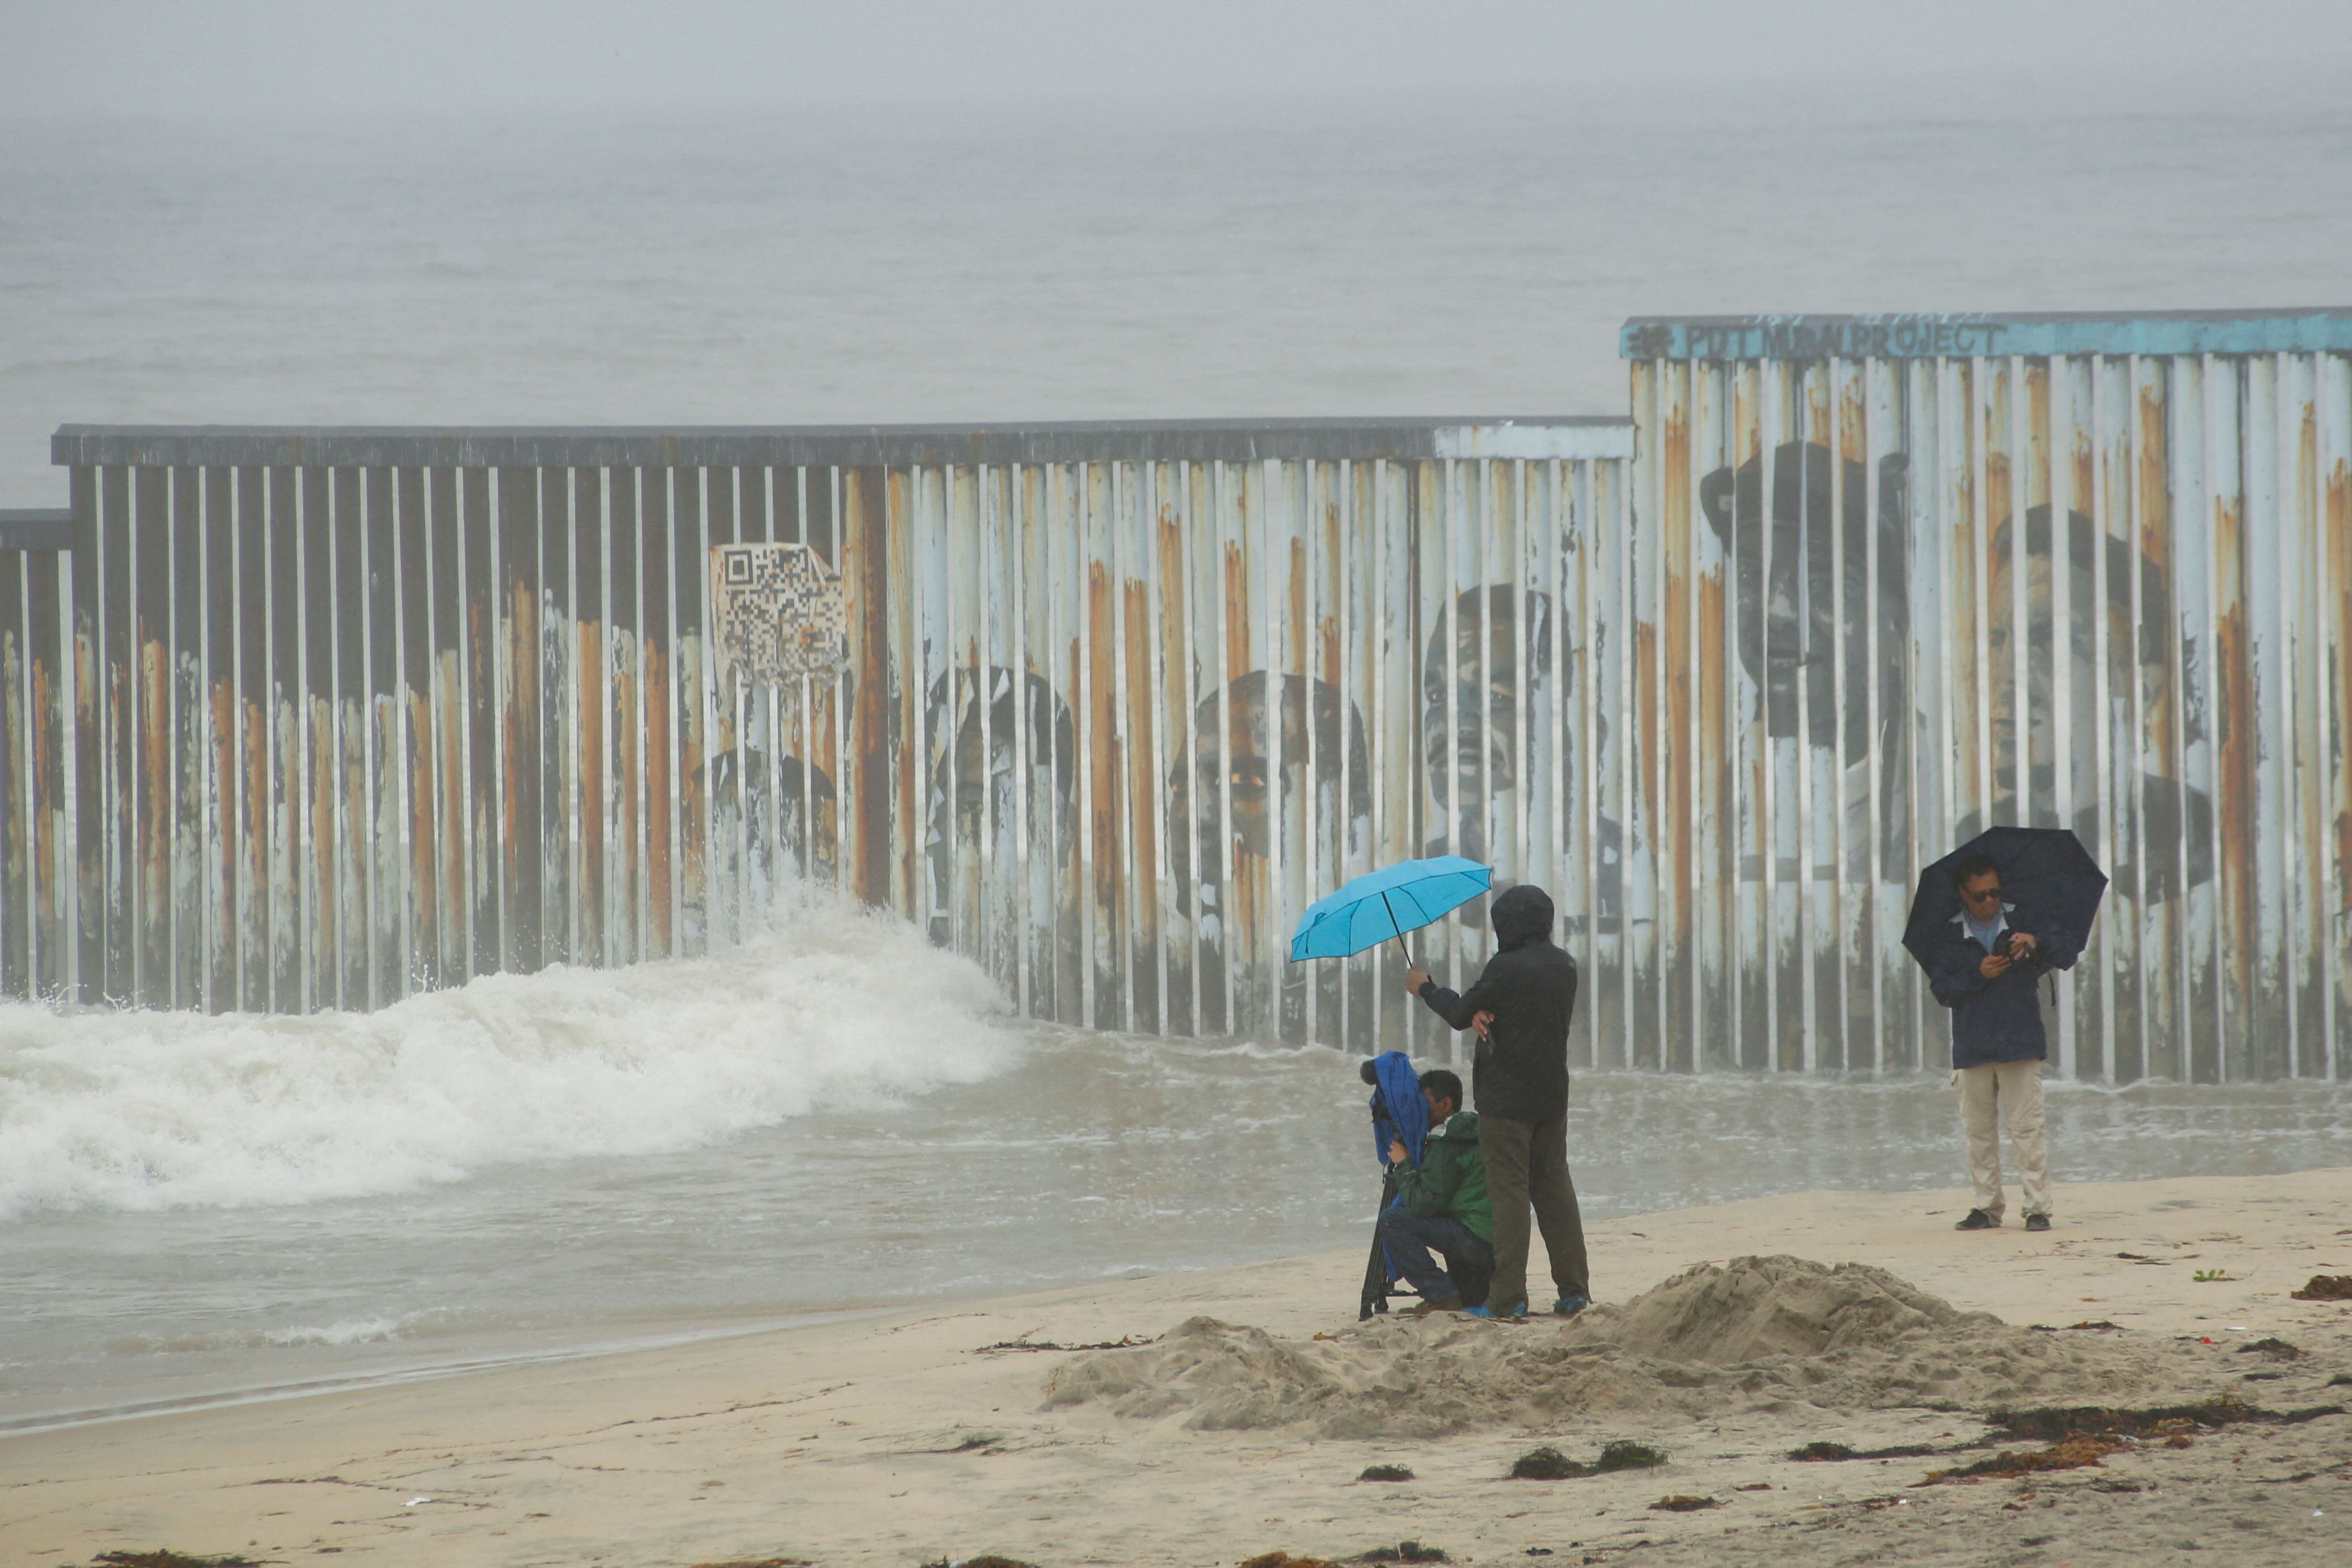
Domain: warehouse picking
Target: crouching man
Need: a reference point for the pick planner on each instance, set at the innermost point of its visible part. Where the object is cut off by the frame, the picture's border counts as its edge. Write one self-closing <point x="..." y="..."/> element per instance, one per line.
<point x="1442" y="1205"/>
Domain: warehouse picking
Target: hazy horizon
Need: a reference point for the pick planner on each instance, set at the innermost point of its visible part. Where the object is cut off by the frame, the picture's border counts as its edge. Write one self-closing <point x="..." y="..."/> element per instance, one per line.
<point x="427" y="58"/>
<point x="259" y="212"/>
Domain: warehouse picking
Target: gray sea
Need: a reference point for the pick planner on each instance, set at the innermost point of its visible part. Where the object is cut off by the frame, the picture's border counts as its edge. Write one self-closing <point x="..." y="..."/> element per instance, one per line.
<point x="1202" y="258"/>
<point x="837" y="1117"/>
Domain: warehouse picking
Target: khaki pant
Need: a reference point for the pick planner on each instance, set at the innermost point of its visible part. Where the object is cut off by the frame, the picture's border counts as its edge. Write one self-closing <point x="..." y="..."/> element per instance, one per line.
<point x="1527" y="1162"/>
<point x="2005" y="1092"/>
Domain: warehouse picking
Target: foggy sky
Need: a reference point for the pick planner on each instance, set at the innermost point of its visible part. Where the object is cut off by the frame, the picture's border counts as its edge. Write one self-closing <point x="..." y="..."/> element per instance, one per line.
<point x="264" y="57"/>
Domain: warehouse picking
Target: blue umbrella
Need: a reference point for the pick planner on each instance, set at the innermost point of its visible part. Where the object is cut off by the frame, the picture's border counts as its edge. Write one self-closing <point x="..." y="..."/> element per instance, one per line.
<point x="1387" y="904"/>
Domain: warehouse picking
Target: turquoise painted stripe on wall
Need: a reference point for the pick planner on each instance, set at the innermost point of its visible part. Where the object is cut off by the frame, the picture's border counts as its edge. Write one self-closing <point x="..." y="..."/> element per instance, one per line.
<point x="1961" y="335"/>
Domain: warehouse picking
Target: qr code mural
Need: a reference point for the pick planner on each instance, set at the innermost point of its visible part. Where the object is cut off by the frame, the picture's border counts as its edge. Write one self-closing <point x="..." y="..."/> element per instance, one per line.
<point x="779" y="611"/>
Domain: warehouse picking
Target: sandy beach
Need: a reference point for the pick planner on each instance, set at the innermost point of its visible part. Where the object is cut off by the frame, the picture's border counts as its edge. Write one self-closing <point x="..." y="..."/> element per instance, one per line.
<point x="908" y="1439"/>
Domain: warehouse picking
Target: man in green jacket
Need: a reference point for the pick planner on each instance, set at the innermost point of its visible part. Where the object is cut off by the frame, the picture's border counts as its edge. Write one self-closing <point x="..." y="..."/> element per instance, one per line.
<point x="1442" y="1204"/>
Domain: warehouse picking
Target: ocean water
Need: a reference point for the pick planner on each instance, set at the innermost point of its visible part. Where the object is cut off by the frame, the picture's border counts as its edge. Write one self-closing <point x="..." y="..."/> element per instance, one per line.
<point x="1201" y="257"/>
<point x="837" y="1117"/>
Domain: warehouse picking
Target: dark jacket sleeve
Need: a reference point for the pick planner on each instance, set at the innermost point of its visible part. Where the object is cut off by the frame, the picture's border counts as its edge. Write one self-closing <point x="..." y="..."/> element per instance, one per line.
<point x="1457" y="1009"/>
<point x="1954" y="979"/>
<point x="2052" y="950"/>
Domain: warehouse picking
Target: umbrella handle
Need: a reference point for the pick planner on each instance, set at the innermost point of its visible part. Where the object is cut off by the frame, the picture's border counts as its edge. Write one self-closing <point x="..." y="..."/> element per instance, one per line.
<point x="1398" y="924"/>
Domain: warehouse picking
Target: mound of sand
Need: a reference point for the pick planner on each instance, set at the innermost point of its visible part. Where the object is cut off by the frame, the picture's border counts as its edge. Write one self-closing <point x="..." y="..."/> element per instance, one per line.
<point x="1758" y="1332"/>
<point x="1754" y="1309"/>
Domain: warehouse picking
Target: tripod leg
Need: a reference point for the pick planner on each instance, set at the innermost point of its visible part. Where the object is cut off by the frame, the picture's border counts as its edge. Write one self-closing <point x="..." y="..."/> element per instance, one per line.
<point x="1376" y="1268"/>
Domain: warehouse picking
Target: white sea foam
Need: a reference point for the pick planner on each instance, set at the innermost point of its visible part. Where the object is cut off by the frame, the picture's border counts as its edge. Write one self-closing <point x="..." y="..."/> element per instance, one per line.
<point x="344" y="1332"/>
<point x="350" y="1331"/>
<point x="156" y="1110"/>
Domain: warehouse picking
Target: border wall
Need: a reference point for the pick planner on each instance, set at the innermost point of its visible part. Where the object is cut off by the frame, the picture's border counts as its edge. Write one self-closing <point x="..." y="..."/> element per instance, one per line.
<point x="305" y="718"/>
<point x="358" y="712"/>
<point x="1919" y="574"/>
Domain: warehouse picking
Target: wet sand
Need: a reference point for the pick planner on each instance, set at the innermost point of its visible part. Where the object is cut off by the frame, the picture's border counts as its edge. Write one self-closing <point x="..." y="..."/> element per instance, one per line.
<point x="904" y="1439"/>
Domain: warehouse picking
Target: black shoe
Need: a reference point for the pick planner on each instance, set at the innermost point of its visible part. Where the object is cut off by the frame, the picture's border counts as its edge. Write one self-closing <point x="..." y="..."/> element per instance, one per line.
<point x="2037" y="1222"/>
<point x="1978" y="1219"/>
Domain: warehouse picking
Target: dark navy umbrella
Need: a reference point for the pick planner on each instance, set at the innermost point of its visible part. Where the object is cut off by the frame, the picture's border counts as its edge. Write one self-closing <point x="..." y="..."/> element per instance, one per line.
<point x="2044" y="870"/>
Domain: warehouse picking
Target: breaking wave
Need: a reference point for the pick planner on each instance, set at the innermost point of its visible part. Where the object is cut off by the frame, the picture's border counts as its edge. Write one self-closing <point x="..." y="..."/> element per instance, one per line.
<point x="150" y="1110"/>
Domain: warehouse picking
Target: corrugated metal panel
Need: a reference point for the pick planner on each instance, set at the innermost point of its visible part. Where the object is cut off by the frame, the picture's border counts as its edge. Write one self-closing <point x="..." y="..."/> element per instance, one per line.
<point x="361" y="712"/>
<point x="331" y="715"/>
<point x="2079" y="570"/>
<point x="39" y="950"/>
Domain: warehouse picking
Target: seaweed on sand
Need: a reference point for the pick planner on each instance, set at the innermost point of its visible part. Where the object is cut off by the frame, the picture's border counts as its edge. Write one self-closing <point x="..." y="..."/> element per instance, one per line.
<point x="1124" y="1341"/>
<point x="1825" y="1453"/>
<point x="164" y="1557"/>
<point x="2051" y="1423"/>
<point x="2082" y="1436"/>
<point x="1402" y="1552"/>
<point x="2275" y="1347"/>
<point x="2074" y="1453"/>
<point x="1549" y="1464"/>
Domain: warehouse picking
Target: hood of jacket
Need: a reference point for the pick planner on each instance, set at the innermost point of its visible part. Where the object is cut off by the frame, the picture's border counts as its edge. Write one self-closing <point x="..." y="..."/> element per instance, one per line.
<point x="1522" y="915"/>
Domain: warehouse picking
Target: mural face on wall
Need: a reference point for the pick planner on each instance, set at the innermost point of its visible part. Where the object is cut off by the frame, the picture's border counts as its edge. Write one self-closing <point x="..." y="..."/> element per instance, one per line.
<point x="1245" y="758"/>
<point x="1474" y="772"/>
<point x="1796" y="642"/>
<point x="806" y="801"/>
<point x="974" y="765"/>
<point x="1241" y="756"/>
<point x="1796" y="636"/>
<point x="2154" y="868"/>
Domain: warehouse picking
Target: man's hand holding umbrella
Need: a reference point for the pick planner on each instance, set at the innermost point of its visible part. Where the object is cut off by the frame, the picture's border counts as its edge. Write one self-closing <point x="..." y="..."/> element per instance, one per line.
<point x="1416" y="976"/>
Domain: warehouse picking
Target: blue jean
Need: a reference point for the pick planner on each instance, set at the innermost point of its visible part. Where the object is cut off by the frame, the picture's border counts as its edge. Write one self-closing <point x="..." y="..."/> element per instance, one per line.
<point x="1409" y="1239"/>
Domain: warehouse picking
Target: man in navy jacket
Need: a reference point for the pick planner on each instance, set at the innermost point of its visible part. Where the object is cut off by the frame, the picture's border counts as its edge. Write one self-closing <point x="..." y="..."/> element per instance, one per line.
<point x="1984" y="967"/>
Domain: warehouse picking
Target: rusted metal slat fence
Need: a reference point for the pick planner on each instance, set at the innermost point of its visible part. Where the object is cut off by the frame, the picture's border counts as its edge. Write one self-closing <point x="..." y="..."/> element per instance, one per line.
<point x="361" y="712"/>
<point x="333" y="716"/>
<point x="36" y="753"/>
<point x="1922" y="574"/>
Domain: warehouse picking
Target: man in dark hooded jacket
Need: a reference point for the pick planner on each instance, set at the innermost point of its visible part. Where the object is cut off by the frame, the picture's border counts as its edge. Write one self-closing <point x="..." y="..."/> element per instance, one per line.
<point x="1522" y="1005"/>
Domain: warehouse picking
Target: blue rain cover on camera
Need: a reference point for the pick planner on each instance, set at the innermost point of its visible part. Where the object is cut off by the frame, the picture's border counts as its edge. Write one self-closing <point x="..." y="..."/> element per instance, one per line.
<point x="1407" y="1117"/>
<point x="1399" y="1094"/>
